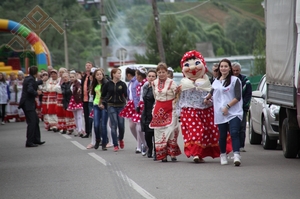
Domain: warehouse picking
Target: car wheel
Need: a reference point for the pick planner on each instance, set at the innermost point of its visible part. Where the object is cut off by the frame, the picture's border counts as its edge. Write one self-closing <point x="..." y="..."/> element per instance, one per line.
<point x="266" y="141"/>
<point x="254" y="138"/>
<point x="289" y="140"/>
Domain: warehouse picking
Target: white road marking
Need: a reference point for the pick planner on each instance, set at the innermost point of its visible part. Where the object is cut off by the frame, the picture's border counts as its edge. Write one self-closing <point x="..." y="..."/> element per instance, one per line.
<point x="124" y="177"/>
<point x="67" y="136"/>
<point x="78" y="145"/>
<point x="98" y="158"/>
<point x="135" y="186"/>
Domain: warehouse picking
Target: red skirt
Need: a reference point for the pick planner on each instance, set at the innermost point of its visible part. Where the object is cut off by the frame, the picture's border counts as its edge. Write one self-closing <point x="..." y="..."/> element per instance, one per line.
<point x="128" y="111"/>
<point x="73" y="105"/>
<point x="162" y="114"/>
<point x="200" y="134"/>
<point x="44" y="102"/>
<point x="137" y="116"/>
<point x="52" y="103"/>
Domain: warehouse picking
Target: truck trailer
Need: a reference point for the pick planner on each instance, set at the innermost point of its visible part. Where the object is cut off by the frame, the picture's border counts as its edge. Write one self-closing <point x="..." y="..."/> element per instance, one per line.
<point x="282" y="19"/>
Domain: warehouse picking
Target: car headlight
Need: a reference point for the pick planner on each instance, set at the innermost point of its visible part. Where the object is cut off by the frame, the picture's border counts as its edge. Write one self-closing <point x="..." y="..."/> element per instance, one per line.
<point x="274" y="110"/>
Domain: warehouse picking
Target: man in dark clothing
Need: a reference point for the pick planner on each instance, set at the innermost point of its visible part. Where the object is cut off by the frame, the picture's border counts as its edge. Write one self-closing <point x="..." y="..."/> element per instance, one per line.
<point x="27" y="103"/>
<point x="215" y="72"/>
<point x="246" y="96"/>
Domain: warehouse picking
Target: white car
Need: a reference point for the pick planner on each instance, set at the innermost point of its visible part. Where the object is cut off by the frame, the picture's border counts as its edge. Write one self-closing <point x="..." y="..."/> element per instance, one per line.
<point x="263" y="119"/>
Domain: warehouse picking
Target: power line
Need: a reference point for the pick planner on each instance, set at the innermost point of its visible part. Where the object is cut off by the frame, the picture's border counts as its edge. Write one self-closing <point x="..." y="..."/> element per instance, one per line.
<point x="174" y="13"/>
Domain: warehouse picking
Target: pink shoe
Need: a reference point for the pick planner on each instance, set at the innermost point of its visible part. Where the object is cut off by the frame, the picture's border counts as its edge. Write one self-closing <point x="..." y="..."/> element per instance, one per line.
<point x="109" y="145"/>
<point x="90" y="146"/>
<point x="116" y="149"/>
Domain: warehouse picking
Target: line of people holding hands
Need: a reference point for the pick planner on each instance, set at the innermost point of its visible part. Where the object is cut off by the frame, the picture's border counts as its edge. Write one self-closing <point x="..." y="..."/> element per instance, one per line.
<point x="210" y="113"/>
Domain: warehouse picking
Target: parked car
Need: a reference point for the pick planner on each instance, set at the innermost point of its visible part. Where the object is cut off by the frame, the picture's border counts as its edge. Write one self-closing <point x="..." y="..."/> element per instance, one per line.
<point x="263" y="118"/>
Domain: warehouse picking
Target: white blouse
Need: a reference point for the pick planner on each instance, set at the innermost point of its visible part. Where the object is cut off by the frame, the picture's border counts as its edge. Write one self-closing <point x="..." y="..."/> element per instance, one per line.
<point x="221" y="97"/>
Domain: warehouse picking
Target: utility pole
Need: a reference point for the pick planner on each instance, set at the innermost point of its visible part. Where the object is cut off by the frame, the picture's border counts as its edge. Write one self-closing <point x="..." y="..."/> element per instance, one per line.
<point x="66" y="44"/>
<point x="158" y="33"/>
<point x="103" y="37"/>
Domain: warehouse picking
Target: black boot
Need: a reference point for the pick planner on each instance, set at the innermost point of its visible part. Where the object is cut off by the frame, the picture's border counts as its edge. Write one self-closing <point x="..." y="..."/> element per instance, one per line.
<point x="149" y="153"/>
<point x="97" y="144"/>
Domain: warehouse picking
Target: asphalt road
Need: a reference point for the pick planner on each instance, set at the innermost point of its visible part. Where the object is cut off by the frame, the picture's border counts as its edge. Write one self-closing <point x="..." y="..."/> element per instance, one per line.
<point x="63" y="168"/>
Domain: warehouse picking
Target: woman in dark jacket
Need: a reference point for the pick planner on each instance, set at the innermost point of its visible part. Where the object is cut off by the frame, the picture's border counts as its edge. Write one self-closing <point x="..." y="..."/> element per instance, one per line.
<point x="149" y="101"/>
<point x="114" y="95"/>
<point x="67" y="93"/>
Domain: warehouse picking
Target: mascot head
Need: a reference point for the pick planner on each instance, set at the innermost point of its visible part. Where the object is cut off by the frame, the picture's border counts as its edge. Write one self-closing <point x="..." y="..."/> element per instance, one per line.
<point x="193" y="65"/>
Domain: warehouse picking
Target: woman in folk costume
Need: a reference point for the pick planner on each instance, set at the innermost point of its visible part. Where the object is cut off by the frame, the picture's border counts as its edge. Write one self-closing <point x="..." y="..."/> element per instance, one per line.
<point x="19" y="83"/>
<point x="164" y="120"/>
<point x="140" y="74"/>
<point x="65" y="118"/>
<point x="66" y="92"/>
<point x="42" y="87"/>
<point x="200" y="134"/>
<point x="75" y="104"/>
<point x="130" y="109"/>
<point x="12" y="106"/>
<point x="50" y="118"/>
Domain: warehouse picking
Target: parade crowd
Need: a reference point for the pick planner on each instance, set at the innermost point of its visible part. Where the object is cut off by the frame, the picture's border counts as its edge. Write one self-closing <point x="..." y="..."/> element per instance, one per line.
<point x="210" y="113"/>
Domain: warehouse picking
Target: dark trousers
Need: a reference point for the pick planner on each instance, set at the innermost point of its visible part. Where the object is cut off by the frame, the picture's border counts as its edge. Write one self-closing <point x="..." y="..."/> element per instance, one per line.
<point x="149" y="137"/>
<point x="86" y="112"/>
<point x="33" y="129"/>
<point x="3" y="111"/>
<point x="243" y="130"/>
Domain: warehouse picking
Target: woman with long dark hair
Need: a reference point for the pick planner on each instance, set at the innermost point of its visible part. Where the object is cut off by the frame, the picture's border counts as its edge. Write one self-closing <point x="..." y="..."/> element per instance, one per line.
<point x="100" y="113"/>
<point x="228" y="109"/>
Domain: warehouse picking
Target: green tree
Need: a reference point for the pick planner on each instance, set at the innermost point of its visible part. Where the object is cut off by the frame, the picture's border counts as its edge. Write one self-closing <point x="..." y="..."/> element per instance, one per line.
<point x="260" y="54"/>
<point x="242" y="32"/>
<point x="176" y="42"/>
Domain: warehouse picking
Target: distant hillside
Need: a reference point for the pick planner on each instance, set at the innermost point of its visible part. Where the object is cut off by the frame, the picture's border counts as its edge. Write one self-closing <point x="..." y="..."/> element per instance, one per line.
<point x="218" y="11"/>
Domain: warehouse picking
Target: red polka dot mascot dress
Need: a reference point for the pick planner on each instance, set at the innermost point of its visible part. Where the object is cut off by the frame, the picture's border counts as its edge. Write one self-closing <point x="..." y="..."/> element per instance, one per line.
<point x="200" y="134"/>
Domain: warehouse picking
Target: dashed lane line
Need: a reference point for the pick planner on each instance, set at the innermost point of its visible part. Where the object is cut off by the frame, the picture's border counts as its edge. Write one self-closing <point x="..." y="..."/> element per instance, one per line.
<point x="99" y="159"/>
<point x="78" y="145"/>
<point x="120" y="174"/>
<point x="67" y="136"/>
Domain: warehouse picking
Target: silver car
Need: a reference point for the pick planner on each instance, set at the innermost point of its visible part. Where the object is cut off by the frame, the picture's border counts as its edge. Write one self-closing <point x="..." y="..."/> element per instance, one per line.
<point x="263" y="119"/>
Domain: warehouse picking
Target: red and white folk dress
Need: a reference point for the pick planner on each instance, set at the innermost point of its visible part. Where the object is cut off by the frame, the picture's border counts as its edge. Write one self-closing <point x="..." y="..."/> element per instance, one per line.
<point x="137" y="116"/>
<point x="164" y="120"/>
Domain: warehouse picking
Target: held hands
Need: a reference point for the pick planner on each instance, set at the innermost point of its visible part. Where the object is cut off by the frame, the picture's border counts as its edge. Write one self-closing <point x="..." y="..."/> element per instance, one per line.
<point x="138" y="109"/>
<point x="39" y="92"/>
<point x="101" y="106"/>
<point x="207" y="101"/>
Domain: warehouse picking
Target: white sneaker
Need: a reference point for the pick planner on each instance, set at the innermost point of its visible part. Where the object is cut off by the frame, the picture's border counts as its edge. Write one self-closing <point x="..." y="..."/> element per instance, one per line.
<point x="242" y="150"/>
<point x="223" y="159"/>
<point x="3" y="123"/>
<point x="236" y="159"/>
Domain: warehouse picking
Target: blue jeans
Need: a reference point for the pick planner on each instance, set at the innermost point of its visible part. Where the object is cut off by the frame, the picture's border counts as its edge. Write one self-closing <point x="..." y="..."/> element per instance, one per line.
<point x="100" y="124"/>
<point x="91" y="104"/>
<point x="116" y="122"/>
<point x="233" y="126"/>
